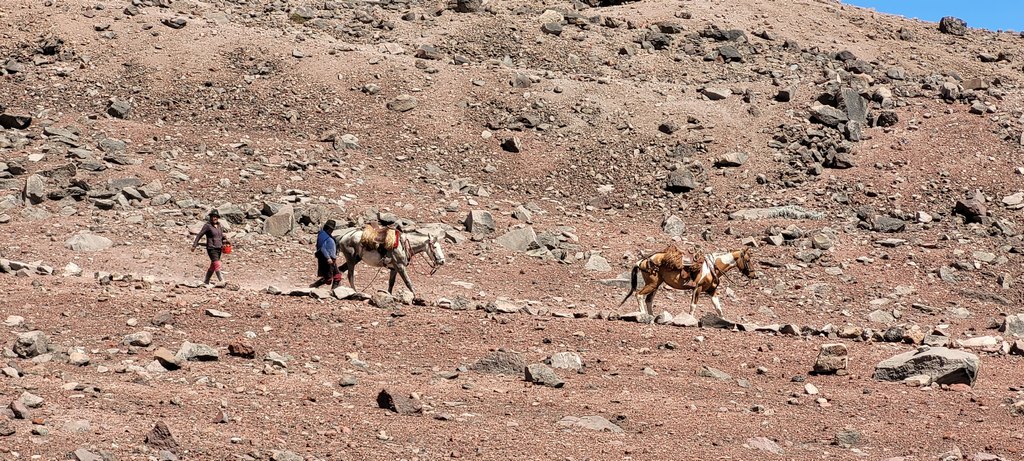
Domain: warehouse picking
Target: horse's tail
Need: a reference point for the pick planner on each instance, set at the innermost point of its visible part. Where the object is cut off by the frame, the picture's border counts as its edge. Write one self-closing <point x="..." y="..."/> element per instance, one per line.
<point x="632" y="282"/>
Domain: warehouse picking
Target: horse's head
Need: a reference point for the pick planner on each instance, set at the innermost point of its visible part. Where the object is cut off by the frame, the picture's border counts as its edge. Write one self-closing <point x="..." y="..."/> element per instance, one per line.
<point x="435" y="251"/>
<point x="745" y="264"/>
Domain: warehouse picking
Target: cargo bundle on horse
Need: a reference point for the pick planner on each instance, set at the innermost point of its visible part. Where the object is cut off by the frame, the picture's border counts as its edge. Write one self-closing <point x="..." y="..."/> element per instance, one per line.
<point x="390" y="248"/>
<point x="680" y="271"/>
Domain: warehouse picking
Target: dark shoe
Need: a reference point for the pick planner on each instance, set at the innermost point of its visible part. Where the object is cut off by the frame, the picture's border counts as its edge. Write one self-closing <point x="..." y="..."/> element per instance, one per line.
<point x="335" y="285"/>
<point x="316" y="283"/>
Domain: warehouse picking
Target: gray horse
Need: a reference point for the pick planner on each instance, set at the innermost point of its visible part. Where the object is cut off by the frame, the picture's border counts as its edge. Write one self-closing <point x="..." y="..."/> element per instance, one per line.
<point x="351" y="246"/>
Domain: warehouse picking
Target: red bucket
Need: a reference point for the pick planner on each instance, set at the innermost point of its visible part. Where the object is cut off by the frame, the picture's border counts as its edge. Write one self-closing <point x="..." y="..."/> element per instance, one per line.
<point x="227" y="248"/>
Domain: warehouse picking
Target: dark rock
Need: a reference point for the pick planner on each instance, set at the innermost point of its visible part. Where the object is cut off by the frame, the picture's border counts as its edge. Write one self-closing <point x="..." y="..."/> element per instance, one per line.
<point x="731" y="35"/>
<point x="730" y="53"/>
<point x="174" y="23"/>
<point x="552" y="28"/>
<point x="119" y="108"/>
<point x="887" y="118"/>
<point x="398" y="403"/>
<point x="501" y="363"/>
<point x="786" y="94"/>
<point x="888" y="224"/>
<point x="973" y="210"/>
<point x="670" y="27"/>
<point x="163" y="318"/>
<point x="15" y="122"/>
<point x="953" y="26"/>
<point x="853" y="104"/>
<point x="659" y="41"/>
<point x="638" y="317"/>
<point x="160" y="438"/>
<point x="668" y="127"/>
<point x="468" y="6"/>
<point x="680" y="180"/>
<point x="429" y="52"/>
<point x="860" y="66"/>
<point x="512" y="144"/>
<point x="711" y="320"/>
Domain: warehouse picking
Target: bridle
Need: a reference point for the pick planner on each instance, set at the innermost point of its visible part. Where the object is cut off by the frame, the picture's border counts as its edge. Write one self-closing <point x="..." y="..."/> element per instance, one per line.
<point x="431" y="257"/>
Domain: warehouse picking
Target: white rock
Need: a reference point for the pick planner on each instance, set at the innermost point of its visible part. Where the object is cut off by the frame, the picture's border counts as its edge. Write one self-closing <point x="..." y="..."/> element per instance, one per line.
<point x="72" y="270"/>
<point x="88" y="242"/>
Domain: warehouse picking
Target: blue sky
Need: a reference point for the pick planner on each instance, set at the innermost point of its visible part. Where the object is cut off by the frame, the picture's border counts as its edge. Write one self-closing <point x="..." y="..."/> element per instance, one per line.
<point x="988" y="14"/>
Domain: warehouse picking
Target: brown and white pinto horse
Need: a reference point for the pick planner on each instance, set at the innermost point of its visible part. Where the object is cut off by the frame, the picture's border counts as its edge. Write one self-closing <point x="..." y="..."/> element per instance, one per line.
<point x="701" y="274"/>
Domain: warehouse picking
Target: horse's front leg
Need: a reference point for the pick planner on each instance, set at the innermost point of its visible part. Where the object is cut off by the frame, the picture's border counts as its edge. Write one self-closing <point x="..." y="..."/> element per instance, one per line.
<point x="405" y="278"/>
<point x="693" y="299"/>
<point x="714" y="300"/>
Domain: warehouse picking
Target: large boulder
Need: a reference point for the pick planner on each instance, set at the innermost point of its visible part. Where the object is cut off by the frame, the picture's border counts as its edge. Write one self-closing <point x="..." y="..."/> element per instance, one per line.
<point x="1013" y="325"/>
<point x="88" y="242"/>
<point x="943" y="365"/>
<point x="232" y="213"/>
<point x="854" y="105"/>
<point x="522" y="239"/>
<point x="480" y="222"/>
<point x="31" y="344"/>
<point x="953" y="26"/>
<point x="673" y="225"/>
<point x="281" y="223"/>
<point x="597" y="263"/>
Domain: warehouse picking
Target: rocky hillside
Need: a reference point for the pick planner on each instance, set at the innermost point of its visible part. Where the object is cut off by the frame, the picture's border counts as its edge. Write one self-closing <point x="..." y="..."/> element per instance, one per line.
<point x="872" y="162"/>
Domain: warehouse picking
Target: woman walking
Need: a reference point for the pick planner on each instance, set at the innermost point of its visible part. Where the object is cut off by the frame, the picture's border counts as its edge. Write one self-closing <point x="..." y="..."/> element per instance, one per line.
<point x="215" y="242"/>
